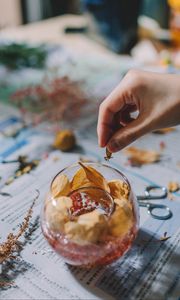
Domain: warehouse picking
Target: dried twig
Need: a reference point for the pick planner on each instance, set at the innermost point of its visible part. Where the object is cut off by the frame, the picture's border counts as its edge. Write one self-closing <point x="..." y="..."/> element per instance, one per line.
<point x="11" y="245"/>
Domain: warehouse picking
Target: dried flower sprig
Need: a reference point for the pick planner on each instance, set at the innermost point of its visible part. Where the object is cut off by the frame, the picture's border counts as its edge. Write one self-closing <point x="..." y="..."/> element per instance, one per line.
<point x="10" y="246"/>
<point x="54" y="100"/>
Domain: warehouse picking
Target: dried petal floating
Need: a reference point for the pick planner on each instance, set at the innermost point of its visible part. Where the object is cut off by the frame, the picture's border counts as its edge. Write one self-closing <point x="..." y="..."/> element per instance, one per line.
<point x="60" y="186"/>
<point x="57" y="213"/>
<point x="94" y="177"/>
<point x="118" y="189"/>
<point x="121" y="220"/>
<point x="88" y="228"/>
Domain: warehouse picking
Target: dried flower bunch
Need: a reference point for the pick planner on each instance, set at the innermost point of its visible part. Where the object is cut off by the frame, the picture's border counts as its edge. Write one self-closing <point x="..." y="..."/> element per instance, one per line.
<point x="82" y="216"/>
<point x="10" y="246"/>
<point x="53" y="100"/>
<point x="138" y="157"/>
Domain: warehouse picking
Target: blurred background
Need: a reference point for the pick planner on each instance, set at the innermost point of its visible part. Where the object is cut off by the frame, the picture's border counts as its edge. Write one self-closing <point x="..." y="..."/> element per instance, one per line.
<point x="93" y="43"/>
<point x="118" y="23"/>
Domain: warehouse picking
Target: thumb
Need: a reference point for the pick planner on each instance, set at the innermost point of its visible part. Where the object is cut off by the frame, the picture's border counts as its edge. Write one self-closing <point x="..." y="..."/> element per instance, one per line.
<point x="128" y="134"/>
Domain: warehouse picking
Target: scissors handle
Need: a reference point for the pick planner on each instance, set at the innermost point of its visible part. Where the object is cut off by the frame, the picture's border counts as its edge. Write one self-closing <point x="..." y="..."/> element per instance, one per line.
<point x="149" y="195"/>
<point x="151" y="207"/>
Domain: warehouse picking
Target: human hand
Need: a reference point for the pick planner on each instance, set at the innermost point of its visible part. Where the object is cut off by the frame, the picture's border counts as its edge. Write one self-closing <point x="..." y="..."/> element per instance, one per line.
<point x="155" y="96"/>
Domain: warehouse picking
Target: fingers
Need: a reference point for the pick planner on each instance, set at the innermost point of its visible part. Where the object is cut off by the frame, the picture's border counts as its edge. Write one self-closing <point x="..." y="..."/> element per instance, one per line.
<point x="113" y="121"/>
<point x="122" y="96"/>
<point x="128" y="134"/>
<point x="125" y="116"/>
<point x="104" y="127"/>
<point x="107" y="112"/>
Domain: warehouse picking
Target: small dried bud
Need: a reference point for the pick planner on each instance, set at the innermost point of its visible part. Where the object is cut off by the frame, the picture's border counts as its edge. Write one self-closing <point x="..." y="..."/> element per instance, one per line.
<point x="65" y="140"/>
<point x="108" y="155"/>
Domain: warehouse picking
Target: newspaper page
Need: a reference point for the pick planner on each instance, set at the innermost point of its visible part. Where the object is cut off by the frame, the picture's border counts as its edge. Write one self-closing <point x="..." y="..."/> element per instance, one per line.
<point x="149" y="270"/>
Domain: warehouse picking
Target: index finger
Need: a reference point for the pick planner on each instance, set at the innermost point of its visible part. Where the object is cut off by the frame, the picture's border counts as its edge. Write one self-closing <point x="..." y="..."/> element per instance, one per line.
<point x="109" y="107"/>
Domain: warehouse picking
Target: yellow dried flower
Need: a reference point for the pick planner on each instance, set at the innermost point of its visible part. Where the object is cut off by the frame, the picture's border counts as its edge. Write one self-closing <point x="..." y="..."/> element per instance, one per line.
<point x="65" y="140"/>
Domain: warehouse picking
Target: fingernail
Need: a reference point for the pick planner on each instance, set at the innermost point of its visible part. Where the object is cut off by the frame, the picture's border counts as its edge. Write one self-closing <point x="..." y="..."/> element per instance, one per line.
<point x="113" y="146"/>
<point x="101" y="145"/>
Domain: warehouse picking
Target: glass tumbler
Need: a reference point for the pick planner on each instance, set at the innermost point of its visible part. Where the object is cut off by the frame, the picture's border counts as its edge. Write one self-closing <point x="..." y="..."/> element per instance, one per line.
<point x="95" y="219"/>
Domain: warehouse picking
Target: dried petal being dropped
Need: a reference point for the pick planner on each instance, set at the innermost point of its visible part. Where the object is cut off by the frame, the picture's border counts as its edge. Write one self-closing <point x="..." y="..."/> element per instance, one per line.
<point x="121" y="220"/>
<point x="57" y="214"/>
<point x="60" y="186"/>
<point x="118" y="189"/>
<point x="173" y="186"/>
<point x="138" y="157"/>
<point x="108" y="155"/>
<point x="88" y="176"/>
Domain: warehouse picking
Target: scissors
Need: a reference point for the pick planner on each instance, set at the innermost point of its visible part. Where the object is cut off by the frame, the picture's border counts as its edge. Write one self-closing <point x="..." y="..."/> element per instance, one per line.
<point x="154" y="193"/>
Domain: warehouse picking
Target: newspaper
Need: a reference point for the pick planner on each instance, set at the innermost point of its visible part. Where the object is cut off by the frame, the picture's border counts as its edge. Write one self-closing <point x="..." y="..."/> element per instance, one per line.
<point x="150" y="270"/>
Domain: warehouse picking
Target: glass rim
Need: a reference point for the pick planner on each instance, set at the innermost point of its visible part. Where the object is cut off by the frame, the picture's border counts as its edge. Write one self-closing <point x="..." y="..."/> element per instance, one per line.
<point x="92" y="163"/>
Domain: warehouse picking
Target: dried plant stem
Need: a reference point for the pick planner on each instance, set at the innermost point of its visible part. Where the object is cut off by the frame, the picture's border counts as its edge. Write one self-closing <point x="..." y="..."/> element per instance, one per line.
<point x="8" y="247"/>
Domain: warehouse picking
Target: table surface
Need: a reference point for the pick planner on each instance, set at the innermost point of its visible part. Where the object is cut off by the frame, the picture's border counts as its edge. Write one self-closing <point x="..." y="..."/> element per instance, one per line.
<point x="150" y="269"/>
<point x="52" y="31"/>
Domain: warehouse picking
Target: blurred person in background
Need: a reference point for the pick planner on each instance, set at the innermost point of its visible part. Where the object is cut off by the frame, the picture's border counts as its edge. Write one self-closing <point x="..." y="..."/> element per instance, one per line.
<point x="117" y="21"/>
